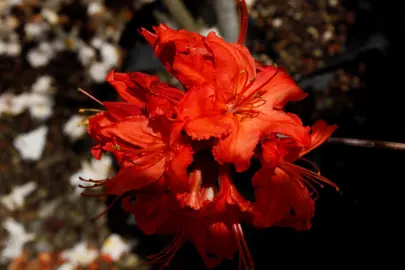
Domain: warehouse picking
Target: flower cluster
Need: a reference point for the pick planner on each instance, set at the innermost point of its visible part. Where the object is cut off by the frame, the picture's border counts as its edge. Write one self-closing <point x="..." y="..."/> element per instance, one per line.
<point x="177" y="149"/>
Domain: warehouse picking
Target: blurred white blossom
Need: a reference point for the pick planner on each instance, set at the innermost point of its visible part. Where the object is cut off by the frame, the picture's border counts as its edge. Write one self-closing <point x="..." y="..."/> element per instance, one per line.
<point x="115" y="246"/>
<point x="13" y="104"/>
<point x="109" y="54"/>
<point x="72" y="128"/>
<point x="86" y="54"/>
<point x="17" y="238"/>
<point x="49" y="15"/>
<point x="94" y="8"/>
<point x="41" y="55"/>
<point x="35" y="30"/>
<point x="40" y="106"/>
<point x="98" y="71"/>
<point x="31" y="145"/>
<point x="79" y="255"/>
<point x="16" y="198"/>
<point x="43" y="85"/>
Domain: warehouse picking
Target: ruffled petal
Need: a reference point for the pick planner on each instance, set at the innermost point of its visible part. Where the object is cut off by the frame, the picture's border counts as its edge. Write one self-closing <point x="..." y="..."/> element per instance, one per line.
<point x="239" y="146"/>
<point x="217" y="126"/>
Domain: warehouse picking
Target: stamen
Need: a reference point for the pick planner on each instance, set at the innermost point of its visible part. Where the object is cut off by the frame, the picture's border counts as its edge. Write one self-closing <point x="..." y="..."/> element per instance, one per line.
<point x="318" y="171"/>
<point x="90" y="96"/>
<point x="167" y="254"/>
<point x="242" y="79"/>
<point x="244" y="254"/>
<point x="244" y="90"/>
<point x="258" y="89"/>
<point x="105" y="210"/>
<point x="307" y="174"/>
<point x="83" y="110"/>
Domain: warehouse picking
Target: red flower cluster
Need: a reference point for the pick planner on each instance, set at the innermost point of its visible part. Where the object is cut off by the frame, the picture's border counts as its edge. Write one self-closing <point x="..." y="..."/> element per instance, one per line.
<point x="176" y="149"/>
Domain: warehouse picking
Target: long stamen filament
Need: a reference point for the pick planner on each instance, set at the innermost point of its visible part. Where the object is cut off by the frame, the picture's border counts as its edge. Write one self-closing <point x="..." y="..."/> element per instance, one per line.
<point x="90" y="96"/>
<point x="83" y="110"/>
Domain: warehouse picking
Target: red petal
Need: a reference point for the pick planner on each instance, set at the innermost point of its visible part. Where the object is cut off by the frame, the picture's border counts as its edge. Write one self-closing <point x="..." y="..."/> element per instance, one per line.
<point x="287" y="124"/>
<point x="229" y="60"/>
<point x="321" y="131"/>
<point x="135" y="177"/>
<point x="239" y="146"/>
<point x="133" y="131"/>
<point x="149" y="37"/>
<point x="121" y="110"/>
<point x="151" y="213"/>
<point x="217" y="126"/>
<point x="276" y="196"/>
<point x="227" y="198"/>
<point x="197" y="102"/>
<point x="97" y="151"/>
<point x="214" y="242"/>
<point x="192" y="70"/>
<point x="279" y="87"/>
<point x="176" y="174"/>
<point x="127" y="89"/>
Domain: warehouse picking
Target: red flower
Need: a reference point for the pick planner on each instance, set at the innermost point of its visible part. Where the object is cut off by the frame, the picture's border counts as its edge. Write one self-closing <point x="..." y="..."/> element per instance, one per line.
<point x="281" y="187"/>
<point x="137" y="132"/>
<point x="176" y="149"/>
<point x="228" y="97"/>
<point x="214" y="228"/>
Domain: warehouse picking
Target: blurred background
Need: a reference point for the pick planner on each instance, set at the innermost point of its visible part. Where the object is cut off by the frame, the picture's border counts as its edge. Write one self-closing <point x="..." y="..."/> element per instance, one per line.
<point x="347" y="54"/>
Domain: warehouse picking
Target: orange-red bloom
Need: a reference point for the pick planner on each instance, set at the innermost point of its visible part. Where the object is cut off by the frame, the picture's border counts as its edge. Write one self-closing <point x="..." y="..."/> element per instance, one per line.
<point x="228" y="97"/>
<point x="214" y="229"/>
<point x="281" y="187"/>
<point x="137" y="132"/>
<point x="176" y="150"/>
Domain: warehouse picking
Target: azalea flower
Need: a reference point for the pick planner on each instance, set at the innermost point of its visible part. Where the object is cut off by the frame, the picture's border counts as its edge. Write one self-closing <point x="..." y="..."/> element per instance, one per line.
<point x="279" y="180"/>
<point x="134" y="131"/>
<point x="177" y="151"/>
<point x="233" y="102"/>
<point x="214" y="228"/>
